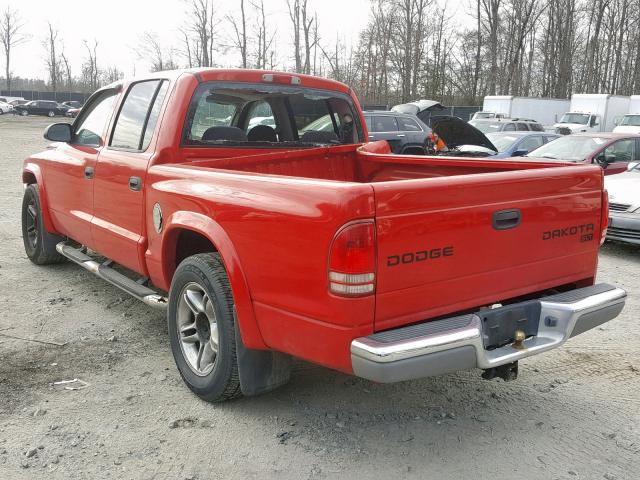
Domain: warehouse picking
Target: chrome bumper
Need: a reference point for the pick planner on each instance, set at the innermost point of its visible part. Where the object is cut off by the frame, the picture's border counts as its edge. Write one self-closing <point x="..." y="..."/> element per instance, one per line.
<point x="456" y="343"/>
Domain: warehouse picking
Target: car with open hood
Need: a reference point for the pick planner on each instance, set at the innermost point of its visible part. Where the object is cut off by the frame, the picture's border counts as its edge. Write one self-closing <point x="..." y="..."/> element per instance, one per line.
<point x="463" y="139"/>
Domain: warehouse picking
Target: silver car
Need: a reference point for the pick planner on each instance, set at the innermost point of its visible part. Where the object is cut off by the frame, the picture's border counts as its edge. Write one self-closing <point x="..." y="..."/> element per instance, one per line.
<point x="624" y="205"/>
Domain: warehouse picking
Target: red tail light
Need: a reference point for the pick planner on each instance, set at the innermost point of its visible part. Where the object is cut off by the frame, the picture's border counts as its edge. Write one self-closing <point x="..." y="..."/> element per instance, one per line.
<point x="604" y="216"/>
<point x="352" y="260"/>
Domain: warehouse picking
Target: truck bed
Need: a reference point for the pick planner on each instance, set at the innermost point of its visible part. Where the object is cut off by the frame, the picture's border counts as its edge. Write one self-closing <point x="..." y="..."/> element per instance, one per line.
<point x="371" y="163"/>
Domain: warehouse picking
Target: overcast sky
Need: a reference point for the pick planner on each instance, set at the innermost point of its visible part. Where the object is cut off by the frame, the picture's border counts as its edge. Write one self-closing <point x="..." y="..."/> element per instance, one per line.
<point x="118" y="24"/>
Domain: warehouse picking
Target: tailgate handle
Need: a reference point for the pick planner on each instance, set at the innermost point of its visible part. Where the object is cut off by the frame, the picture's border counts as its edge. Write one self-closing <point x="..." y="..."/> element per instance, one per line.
<point x="506" y="219"/>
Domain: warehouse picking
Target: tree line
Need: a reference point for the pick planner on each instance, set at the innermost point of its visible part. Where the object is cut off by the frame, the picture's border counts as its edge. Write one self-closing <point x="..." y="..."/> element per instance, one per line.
<point x="409" y="49"/>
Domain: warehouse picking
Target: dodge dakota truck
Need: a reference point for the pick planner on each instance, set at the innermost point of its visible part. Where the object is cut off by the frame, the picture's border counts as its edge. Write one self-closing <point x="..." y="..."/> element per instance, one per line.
<point x="251" y="207"/>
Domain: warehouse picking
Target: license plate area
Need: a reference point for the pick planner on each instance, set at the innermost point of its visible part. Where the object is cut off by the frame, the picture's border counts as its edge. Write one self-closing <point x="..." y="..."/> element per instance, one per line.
<point x="500" y="324"/>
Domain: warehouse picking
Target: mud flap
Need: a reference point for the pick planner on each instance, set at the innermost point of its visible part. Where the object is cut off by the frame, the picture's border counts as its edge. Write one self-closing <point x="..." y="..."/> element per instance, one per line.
<point x="260" y="371"/>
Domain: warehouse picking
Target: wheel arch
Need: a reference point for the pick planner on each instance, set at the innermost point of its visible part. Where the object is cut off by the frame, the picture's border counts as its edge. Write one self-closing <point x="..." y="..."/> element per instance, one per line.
<point x="200" y="234"/>
<point x="31" y="174"/>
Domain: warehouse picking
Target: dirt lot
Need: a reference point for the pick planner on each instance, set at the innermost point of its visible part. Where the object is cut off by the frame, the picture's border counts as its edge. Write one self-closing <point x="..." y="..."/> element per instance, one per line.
<point x="573" y="414"/>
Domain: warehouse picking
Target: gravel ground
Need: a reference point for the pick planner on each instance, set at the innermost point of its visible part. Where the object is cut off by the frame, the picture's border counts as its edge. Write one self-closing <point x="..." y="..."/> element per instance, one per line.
<point x="573" y="413"/>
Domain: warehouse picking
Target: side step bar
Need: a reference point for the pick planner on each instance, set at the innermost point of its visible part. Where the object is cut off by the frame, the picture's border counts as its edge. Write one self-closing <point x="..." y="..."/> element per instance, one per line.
<point x="104" y="271"/>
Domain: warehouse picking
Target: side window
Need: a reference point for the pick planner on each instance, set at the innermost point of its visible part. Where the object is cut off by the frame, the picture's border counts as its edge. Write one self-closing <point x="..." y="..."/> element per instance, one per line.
<point x="367" y="120"/>
<point x="522" y="127"/>
<point x="88" y="131"/>
<point x="408" y="125"/>
<point x="132" y="119"/>
<point x="509" y="127"/>
<point x="530" y="143"/>
<point x="536" y="127"/>
<point x="622" y="150"/>
<point x="384" y="124"/>
<point x="153" y="116"/>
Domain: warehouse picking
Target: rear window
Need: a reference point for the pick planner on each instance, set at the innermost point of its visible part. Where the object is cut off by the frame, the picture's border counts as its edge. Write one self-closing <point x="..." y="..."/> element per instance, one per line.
<point x="267" y="115"/>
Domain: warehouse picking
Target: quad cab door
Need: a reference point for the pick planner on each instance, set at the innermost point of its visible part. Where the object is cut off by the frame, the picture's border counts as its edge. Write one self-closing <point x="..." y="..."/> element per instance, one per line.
<point x="70" y="169"/>
<point x="117" y="224"/>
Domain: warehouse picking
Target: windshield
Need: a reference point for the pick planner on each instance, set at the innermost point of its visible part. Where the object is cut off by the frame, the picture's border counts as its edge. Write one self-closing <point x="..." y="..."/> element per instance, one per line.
<point x="248" y="115"/>
<point x="484" y="115"/>
<point x="580" y="118"/>
<point x="502" y="142"/>
<point x="571" y="148"/>
<point x="487" y="127"/>
<point x="631" y="121"/>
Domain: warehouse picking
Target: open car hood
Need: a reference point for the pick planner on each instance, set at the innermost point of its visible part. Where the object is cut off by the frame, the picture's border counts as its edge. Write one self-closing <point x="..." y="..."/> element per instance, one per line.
<point x="417" y="107"/>
<point x="455" y="132"/>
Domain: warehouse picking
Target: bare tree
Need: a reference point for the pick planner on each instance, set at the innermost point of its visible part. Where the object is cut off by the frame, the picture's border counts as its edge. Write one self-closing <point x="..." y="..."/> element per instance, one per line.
<point x="200" y="29"/>
<point x="50" y="44"/>
<point x="294" y="15"/>
<point x="160" y="57"/>
<point x="67" y="72"/>
<point x="240" y="33"/>
<point x="11" y="36"/>
<point x="264" y="54"/>
<point x="90" y="71"/>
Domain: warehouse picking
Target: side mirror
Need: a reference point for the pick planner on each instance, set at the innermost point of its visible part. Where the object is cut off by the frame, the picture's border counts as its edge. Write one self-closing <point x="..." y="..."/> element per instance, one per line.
<point x="605" y="159"/>
<point x="520" y="152"/>
<point x="58" y="132"/>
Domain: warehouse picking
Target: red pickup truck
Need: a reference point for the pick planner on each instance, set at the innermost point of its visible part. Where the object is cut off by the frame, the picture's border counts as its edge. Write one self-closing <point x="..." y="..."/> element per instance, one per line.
<point x="249" y="205"/>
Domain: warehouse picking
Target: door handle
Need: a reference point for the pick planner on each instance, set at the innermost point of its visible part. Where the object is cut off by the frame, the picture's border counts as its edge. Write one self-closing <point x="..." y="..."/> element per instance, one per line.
<point x="400" y="135"/>
<point x="88" y="173"/>
<point x="135" y="183"/>
<point x="506" y="219"/>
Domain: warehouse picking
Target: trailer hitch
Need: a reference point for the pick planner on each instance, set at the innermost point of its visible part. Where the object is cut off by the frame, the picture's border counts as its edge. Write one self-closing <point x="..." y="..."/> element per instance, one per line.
<point x="507" y="372"/>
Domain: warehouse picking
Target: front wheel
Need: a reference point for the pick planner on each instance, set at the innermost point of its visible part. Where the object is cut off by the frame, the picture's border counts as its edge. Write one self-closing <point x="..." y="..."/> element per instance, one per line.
<point x="202" y="328"/>
<point x="24" y="113"/>
<point x="39" y="245"/>
<point x="51" y="113"/>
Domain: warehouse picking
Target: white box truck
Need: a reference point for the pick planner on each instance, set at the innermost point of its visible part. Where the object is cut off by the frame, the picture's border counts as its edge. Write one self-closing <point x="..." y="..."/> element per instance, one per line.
<point x="593" y="112"/>
<point x="546" y="111"/>
<point x="630" y="123"/>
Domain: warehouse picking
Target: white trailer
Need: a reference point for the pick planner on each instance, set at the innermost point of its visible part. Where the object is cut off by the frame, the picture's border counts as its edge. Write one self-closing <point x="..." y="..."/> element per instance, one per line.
<point x="630" y="123"/>
<point x="593" y="112"/>
<point x="546" y="111"/>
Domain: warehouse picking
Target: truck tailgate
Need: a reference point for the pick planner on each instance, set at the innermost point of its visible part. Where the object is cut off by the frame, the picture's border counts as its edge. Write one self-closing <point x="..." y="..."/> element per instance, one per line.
<point x="452" y="243"/>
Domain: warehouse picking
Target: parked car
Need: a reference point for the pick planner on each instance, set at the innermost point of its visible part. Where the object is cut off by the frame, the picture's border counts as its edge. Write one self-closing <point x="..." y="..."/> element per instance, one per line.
<point x="405" y="133"/>
<point x="41" y="107"/>
<point x="5" y="108"/>
<point x="72" y="104"/>
<point x="18" y="102"/>
<point x="624" y="205"/>
<point x="507" y="125"/>
<point x="463" y="139"/>
<point x="612" y="151"/>
<point x="264" y="245"/>
<point x="72" y="112"/>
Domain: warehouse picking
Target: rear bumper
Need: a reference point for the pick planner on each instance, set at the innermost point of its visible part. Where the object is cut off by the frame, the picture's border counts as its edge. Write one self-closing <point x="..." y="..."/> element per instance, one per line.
<point x="456" y="343"/>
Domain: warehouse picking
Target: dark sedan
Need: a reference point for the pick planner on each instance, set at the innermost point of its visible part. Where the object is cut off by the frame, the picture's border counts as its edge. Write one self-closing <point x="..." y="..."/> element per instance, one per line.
<point x="612" y="151"/>
<point x="41" y="107"/>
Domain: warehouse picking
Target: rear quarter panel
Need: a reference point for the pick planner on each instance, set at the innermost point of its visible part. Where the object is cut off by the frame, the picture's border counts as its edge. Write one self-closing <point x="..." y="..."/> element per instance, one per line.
<point x="281" y="230"/>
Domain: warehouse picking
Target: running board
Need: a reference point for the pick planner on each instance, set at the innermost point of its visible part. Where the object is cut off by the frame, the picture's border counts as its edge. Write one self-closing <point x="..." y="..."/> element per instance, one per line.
<point x="115" y="278"/>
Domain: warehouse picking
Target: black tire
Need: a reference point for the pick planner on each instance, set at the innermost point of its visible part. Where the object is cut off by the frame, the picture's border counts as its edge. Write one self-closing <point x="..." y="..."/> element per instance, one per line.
<point x="206" y="271"/>
<point x="39" y="245"/>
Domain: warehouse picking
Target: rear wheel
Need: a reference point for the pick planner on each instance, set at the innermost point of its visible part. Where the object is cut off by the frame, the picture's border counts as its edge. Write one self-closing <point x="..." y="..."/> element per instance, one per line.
<point x="51" y="113"/>
<point x="39" y="245"/>
<point x="202" y="328"/>
<point x="24" y="113"/>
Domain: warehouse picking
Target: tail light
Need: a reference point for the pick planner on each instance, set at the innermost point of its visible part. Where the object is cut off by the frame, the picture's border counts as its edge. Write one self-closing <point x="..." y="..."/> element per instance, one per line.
<point x="604" y="216"/>
<point x="352" y="260"/>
